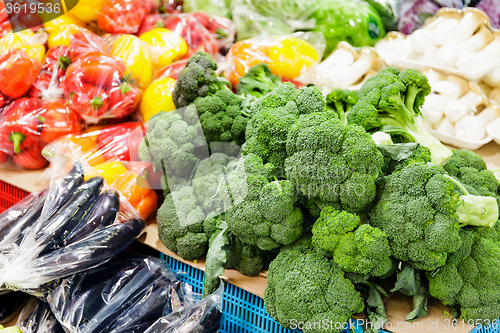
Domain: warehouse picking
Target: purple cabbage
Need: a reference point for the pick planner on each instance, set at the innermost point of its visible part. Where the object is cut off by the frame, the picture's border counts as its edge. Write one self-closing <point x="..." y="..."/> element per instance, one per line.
<point x="492" y="9"/>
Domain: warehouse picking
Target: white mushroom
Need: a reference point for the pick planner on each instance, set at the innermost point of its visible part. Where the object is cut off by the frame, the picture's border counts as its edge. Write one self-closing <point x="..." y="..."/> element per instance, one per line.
<point x="460" y="30"/>
<point x="474" y="127"/>
<point x="433" y="108"/>
<point x="481" y="59"/>
<point x="466" y="105"/>
<point x="445" y="127"/>
<point x="495" y="95"/>
<point x="493" y="78"/>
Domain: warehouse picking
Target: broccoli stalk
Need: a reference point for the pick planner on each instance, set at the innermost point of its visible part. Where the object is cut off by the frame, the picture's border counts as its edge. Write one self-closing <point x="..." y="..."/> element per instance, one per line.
<point x="341" y="101"/>
<point x="475" y="210"/>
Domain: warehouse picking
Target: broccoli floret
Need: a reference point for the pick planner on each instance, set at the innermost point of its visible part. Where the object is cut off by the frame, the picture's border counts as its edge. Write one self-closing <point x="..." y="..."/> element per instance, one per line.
<point x="258" y="81"/>
<point x="332" y="162"/>
<point x="397" y="97"/>
<point x="170" y="144"/>
<point x="341" y="101"/>
<point x="180" y="224"/>
<point x="470" y="169"/>
<point x="421" y="209"/>
<point x="264" y="214"/>
<point x="273" y="115"/>
<point x="247" y="259"/>
<point x="471" y="277"/>
<point x="398" y="156"/>
<point x="198" y="79"/>
<point x="222" y="121"/>
<point x="304" y="286"/>
<point x="356" y="248"/>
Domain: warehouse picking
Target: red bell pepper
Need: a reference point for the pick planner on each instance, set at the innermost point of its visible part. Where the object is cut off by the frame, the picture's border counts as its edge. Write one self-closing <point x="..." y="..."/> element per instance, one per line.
<point x="2" y="100"/>
<point x="30" y="157"/>
<point x="4" y="157"/>
<point x="84" y="42"/>
<point x="149" y="22"/>
<point x="89" y="101"/>
<point x="171" y="70"/>
<point x="123" y="99"/>
<point x="96" y="68"/>
<point x="19" y="126"/>
<point x="57" y="120"/>
<point x="57" y="58"/>
<point x="4" y="20"/>
<point x="17" y="73"/>
<point x="122" y="16"/>
<point x="121" y="141"/>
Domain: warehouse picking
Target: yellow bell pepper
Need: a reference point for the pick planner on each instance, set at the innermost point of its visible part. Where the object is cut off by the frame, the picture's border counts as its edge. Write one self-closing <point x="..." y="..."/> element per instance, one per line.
<point x="61" y="29"/>
<point x="158" y="97"/>
<point x="25" y="40"/>
<point x="136" y="57"/>
<point x="86" y="10"/>
<point x="111" y="171"/>
<point x="290" y="56"/>
<point x="166" y="46"/>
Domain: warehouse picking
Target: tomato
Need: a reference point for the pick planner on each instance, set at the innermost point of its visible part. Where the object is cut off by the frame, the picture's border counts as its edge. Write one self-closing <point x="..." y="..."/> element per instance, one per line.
<point x="17" y="73"/>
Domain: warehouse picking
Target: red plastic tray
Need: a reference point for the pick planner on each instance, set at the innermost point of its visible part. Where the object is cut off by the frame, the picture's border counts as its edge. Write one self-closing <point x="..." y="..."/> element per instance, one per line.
<point x="10" y="195"/>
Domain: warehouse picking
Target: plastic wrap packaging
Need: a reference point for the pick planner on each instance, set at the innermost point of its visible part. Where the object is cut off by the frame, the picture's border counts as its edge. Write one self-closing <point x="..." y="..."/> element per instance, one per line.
<point x="249" y="23"/>
<point x="127" y="295"/>
<point x="210" y="33"/>
<point x="287" y="56"/>
<point x="10" y="303"/>
<point x="21" y="58"/>
<point x="202" y="317"/>
<point x="99" y="86"/>
<point x="214" y="7"/>
<point x="113" y="154"/>
<point x="28" y="124"/>
<point x="123" y="16"/>
<point x="36" y="317"/>
<point x="345" y="68"/>
<point x="75" y="224"/>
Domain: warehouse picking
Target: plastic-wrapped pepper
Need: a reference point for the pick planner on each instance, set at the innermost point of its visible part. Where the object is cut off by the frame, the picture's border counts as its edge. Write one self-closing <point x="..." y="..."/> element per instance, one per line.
<point x="166" y="46"/>
<point x="158" y="97"/>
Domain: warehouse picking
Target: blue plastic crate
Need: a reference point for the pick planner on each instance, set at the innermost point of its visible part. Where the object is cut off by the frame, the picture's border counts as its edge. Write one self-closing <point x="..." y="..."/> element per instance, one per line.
<point x="244" y="312"/>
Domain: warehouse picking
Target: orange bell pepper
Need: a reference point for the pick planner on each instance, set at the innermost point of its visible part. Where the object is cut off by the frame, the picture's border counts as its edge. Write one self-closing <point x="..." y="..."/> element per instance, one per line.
<point x="133" y="187"/>
<point x="89" y="147"/>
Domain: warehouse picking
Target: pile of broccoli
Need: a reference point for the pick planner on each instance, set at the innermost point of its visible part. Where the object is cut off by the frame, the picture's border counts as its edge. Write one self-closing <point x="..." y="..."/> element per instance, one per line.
<point x="330" y="193"/>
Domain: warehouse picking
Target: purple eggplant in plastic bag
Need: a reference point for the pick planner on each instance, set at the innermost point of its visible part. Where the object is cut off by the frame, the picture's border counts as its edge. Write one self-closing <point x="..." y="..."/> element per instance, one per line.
<point x="36" y="317"/>
<point x="127" y="295"/>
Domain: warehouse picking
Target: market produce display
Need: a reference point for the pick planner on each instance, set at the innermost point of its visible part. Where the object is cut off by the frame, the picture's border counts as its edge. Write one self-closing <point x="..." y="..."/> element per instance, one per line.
<point x="283" y="136"/>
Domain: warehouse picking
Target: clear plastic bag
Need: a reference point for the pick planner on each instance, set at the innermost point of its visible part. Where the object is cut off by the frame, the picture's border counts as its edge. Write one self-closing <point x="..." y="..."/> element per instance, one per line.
<point x="201" y="31"/>
<point x="205" y="316"/>
<point x="21" y="57"/>
<point x="113" y="154"/>
<point x="287" y="56"/>
<point x="36" y="317"/>
<point x="123" y="16"/>
<point x="72" y="226"/>
<point x="98" y="86"/>
<point x="28" y="124"/>
<point x="127" y="295"/>
<point x="251" y="24"/>
<point x="10" y="303"/>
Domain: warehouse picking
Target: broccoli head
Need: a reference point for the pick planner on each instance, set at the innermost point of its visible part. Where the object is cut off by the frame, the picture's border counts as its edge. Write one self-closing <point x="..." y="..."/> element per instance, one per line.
<point x="303" y="286"/>
<point x="332" y="162"/>
<point x="222" y="121"/>
<point x="246" y="259"/>
<point x="356" y="248"/>
<point x="264" y="212"/>
<point x="171" y="143"/>
<point x="393" y="99"/>
<point x="398" y="156"/>
<point x="341" y="101"/>
<point x="180" y="224"/>
<point x="272" y="116"/>
<point x="421" y="210"/>
<point x="470" y="169"/>
<point x="258" y="81"/>
<point x="471" y="277"/>
<point x="197" y="79"/>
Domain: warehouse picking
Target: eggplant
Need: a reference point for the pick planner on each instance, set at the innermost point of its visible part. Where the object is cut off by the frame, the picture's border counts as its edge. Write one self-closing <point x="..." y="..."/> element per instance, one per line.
<point x="67" y="186"/>
<point x="17" y="211"/>
<point x="37" y="317"/>
<point x="75" y="208"/>
<point x="10" y="302"/>
<point x="103" y="214"/>
<point x="12" y="232"/>
<point x="90" y="251"/>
